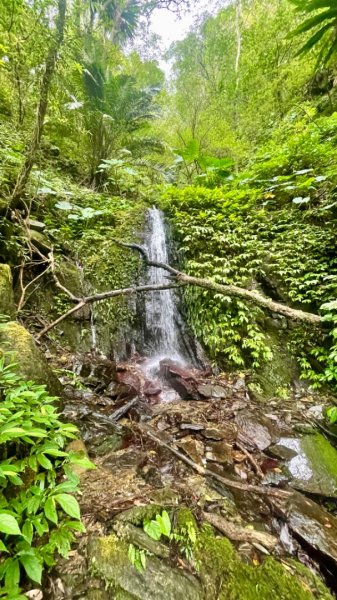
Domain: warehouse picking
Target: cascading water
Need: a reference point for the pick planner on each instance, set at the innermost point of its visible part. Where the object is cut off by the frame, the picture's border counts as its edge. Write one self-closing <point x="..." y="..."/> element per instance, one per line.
<point x="162" y="331"/>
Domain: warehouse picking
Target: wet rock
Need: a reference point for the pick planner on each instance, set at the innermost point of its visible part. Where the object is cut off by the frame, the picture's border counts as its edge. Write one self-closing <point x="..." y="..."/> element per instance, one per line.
<point x="7" y="306"/>
<point x="227" y="431"/>
<point x="151" y="388"/>
<point x="180" y="379"/>
<point x="314" y="467"/>
<point x="282" y="452"/>
<point x="32" y="364"/>
<point x="313" y="524"/>
<point x="131" y="380"/>
<point x="193" y="448"/>
<point x="220" y="452"/>
<point x="208" y="390"/>
<point x="108" y="558"/>
<point x="252" y="431"/>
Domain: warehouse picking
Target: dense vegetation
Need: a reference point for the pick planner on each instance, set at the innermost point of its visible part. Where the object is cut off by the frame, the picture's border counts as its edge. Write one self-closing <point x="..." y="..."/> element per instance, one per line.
<point x="240" y="149"/>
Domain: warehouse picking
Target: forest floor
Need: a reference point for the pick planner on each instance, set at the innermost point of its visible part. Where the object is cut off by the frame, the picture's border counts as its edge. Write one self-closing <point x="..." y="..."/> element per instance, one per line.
<point x="264" y="475"/>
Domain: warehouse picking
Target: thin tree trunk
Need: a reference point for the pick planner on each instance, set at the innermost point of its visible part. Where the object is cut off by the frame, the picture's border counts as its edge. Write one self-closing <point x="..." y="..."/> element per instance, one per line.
<point x="34" y="145"/>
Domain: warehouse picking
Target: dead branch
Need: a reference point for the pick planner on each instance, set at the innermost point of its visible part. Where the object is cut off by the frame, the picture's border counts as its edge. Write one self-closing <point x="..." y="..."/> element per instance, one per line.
<point x="240" y="534"/>
<point x="251" y="459"/>
<point x="229" y="290"/>
<point x="255" y="489"/>
<point x="104" y="296"/>
<point x="57" y="281"/>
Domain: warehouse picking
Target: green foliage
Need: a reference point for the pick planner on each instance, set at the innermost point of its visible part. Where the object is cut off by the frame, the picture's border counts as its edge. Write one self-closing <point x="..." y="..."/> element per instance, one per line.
<point x="137" y="557"/>
<point x="322" y="23"/>
<point x="38" y="513"/>
<point x="272" y="227"/>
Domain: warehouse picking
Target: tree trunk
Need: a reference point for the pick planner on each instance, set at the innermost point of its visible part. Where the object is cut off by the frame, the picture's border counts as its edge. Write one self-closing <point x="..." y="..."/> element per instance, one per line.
<point x="34" y="145"/>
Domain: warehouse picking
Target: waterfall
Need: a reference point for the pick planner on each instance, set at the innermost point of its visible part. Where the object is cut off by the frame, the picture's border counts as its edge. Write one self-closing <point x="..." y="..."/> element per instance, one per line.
<point x="162" y="331"/>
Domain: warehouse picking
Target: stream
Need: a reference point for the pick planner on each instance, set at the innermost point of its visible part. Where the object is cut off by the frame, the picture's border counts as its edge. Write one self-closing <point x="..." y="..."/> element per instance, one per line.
<point x="215" y="423"/>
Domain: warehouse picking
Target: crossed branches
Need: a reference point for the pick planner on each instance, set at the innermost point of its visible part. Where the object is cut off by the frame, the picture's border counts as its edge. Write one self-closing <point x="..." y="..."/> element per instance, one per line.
<point x="176" y="279"/>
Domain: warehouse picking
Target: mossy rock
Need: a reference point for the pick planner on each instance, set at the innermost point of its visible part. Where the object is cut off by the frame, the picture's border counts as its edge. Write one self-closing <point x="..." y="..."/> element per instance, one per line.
<point x="32" y="364"/>
<point x="7" y="306"/>
<point x="274" y="378"/>
<point x="226" y="577"/>
<point x="108" y="559"/>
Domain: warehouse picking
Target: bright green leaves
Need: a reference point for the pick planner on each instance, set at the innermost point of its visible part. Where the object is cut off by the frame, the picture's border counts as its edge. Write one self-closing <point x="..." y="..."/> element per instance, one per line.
<point x="50" y="510"/>
<point x="69" y="504"/>
<point x="32" y="565"/>
<point x="9" y="525"/>
<point x="159" y="526"/>
<point x="34" y="519"/>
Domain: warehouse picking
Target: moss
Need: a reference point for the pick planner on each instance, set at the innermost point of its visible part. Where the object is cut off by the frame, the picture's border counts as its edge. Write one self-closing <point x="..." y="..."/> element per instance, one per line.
<point x="137" y="514"/>
<point x="274" y="377"/>
<point x="32" y="365"/>
<point x="226" y="577"/>
<point x="7" y="306"/>
<point x="184" y="518"/>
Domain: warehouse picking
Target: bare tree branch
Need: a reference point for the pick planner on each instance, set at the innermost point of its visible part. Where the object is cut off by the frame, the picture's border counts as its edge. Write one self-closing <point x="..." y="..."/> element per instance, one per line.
<point x="178" y="279"/>
<point x="230" y="290"/>
<point x="104" y="296"/>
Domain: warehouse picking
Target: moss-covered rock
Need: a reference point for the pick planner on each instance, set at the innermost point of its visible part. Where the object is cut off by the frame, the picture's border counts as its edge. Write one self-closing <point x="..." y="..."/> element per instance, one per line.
<point x="7" y="306"/>
<point x="108" y="559"/>
<point x="274" y="378"/>
<point x="226" y="577"/>
<point x="32" y="365"/>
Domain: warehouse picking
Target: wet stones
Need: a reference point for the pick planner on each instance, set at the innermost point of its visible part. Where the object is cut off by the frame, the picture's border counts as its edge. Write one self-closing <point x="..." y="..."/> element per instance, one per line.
<point x="311" y="462"/>
<point x="312" y="524"/>
<point x="252" y="431"/>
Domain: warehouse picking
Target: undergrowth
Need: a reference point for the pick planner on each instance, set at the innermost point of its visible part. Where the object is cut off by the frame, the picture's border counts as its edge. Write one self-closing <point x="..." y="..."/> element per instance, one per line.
<point x="38" y="512"/>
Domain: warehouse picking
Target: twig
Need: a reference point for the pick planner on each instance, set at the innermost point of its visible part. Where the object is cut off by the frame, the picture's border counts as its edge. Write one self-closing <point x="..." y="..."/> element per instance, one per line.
<point x="251" y="459"/>
<point x="240" y="534"/>
<point x="57" y="281"/>
<point x="256" y="489"/>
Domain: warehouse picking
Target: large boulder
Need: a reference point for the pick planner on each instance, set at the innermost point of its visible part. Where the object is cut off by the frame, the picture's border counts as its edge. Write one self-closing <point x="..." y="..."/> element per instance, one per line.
<point x="7" y="306"/>
<point x="32" y="364"/>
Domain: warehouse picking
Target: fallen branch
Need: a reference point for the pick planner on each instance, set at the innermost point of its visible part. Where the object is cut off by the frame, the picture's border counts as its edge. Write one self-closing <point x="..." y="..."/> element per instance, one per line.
<point x="178" y="279"/>
<point x="228" y="290"/>
<point x="256" y="489"/>
<point x="251" y="459"/>
<point x="240" y="534"/>
<point x="103" y="296"/>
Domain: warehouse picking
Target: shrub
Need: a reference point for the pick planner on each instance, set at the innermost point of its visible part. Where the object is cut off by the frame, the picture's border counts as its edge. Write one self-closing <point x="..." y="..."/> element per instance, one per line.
<point x="38" y="513"/>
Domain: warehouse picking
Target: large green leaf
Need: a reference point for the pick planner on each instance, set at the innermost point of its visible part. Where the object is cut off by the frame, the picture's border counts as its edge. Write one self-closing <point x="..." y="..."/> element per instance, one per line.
<point x="9" y="525"/>
<point x="69" y="504"/>
<point x="32" y="566"/>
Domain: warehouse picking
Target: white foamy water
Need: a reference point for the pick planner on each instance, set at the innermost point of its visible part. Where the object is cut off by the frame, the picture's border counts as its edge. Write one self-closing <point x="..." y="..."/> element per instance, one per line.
<point x="160" y="307"/>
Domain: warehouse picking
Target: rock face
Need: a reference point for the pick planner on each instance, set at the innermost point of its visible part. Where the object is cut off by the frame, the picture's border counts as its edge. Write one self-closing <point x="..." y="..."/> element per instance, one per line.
<point x="314" y="525"/>
<point x="7" y="306"/>
<point x="313" y="466"/>
<point x="108" y="558"/>
<point x="31" y="363"/>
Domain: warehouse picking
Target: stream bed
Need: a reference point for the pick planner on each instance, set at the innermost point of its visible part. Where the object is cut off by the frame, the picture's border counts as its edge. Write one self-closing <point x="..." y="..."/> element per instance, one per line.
<point x="249" y="488"/>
